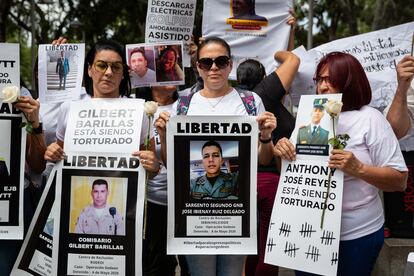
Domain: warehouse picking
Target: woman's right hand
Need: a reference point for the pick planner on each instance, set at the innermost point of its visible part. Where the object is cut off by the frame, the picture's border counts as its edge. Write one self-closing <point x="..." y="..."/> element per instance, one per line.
<point x="54" y="152"/>
<point x="161" y="124"/>
<point x="285" y="149"/>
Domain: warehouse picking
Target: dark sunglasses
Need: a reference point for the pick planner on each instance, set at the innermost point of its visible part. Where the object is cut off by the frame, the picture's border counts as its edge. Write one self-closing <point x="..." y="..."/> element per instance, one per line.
<point x="101" y="66"/>
<point x="206" y="63"/>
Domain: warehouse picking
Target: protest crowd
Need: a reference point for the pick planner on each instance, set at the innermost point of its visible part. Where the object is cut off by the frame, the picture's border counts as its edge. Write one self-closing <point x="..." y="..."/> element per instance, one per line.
<point x="371" y="158"/>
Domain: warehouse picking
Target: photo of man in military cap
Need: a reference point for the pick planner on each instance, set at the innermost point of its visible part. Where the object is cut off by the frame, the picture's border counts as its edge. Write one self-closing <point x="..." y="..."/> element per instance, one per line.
<point x="99" y="218"/>
<point x="313" y="133"/>
<point x="214" y="184"/>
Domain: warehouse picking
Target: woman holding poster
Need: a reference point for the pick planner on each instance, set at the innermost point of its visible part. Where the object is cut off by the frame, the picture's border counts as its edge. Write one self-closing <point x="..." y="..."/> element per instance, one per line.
<point x="106" y="76"/>
<point x="214" y="65"/>
<point x="371" y="161"/>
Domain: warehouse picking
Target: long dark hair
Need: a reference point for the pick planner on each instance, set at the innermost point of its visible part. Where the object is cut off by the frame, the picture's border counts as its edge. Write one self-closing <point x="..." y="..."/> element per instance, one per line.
<point x="125" y="85"/>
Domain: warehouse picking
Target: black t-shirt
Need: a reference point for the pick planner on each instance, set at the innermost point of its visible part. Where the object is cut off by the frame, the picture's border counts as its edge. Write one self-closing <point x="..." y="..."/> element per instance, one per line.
<point x="271" y="91"/>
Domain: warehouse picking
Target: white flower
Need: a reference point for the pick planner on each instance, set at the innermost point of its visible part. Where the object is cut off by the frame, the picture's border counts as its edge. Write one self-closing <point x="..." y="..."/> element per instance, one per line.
<point x="150" y="108"/>
<point x="10" y="94"/>
<point x="333" y="107"/>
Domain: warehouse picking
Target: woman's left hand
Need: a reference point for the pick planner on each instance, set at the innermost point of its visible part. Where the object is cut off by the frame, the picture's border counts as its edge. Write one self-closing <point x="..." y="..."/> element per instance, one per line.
<point x="267" y="123"/>
<point x="345" y="161"/>
<point x="149" y="160"/>
<point x="31" y="108"/>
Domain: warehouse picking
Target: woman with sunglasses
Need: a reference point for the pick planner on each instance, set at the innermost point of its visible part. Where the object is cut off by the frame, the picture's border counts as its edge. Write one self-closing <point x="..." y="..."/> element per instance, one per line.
<point x="105" y="76"/>
<point x="219" y="98"/>
<point x="372" y="161"/>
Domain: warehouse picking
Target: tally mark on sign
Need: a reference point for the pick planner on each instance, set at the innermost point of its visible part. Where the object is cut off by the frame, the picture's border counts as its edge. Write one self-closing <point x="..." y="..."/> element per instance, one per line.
<point x="306" y="230"/>
<point x="327" y="237"/>
<point x="290" y="249"/>
<point x="271" y="224"/>
<point x="334" y="259"/>
<point x="270" y="245"/>
<point x="313" y="253"/>
<point x="284" y="229"/>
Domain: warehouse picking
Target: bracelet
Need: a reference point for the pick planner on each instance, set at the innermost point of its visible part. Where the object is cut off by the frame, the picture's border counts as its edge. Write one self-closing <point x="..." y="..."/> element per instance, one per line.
<point x="265" y="141"/>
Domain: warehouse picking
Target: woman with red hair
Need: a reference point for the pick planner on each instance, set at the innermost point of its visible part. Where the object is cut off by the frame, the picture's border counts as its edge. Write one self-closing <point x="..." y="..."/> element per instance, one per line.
<point x="372" y="161"/>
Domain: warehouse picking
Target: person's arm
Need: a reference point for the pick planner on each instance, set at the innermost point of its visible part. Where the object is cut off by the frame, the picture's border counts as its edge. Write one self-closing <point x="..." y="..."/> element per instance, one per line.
<point x="292" y="22"/>
<point x="398" y="114"/>
<point x="54" y="152"/>
<point x="36" y="146"/>
<point x="288" y="68"/>
<point x="384" y="178"/>
<point x="267" y="123"/>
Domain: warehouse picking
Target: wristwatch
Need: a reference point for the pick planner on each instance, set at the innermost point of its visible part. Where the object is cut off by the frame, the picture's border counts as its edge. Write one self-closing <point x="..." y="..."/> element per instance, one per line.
<point x="39" y="129"/>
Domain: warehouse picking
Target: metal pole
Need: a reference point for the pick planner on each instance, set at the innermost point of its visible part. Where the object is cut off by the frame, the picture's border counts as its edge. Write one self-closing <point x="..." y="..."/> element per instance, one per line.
<point x="33" y="30"/>
<point x="310" y="25"/>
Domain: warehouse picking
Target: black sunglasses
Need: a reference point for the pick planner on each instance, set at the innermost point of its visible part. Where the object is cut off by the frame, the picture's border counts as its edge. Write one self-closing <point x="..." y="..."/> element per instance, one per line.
<point x="206" y="63"/>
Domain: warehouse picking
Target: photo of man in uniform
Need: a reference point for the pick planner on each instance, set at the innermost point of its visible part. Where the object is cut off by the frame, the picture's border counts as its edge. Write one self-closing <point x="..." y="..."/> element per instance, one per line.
<point x="245" y="9"/>
<point x="62" y="68"/>
<point x="140" y="73"/>
<point x="214" y="184"/>
<point x="314" y="134"/>
<point x="99" y="218"/>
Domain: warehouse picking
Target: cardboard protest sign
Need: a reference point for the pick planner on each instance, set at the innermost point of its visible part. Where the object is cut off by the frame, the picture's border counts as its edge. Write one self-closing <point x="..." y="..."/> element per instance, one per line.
<point x="100" y="190"/>
<point x="304" y="229"/>
<point x="9" y="65"/>
<point x="204" y="218"/>
<point x="12" y="148"/>
<point x="60" y="72"/>
<point x="155" y="64"/>
<point x="246" y="25"/>
<point x="170" y="20"/>
<point x="35" y="256"/>
<point x="378" y="52"/>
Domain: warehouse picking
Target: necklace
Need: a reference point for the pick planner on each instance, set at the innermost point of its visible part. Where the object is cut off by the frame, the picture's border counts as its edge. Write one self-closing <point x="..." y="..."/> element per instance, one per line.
<point x="213" y="105"/>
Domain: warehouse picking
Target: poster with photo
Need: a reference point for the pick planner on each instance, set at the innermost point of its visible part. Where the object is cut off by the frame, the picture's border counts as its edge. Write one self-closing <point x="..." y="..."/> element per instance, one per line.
<point x="171" y="20"/>
<point x="35" y="256"/>
<point x="155" y="64"/>
<point x="212" y="167"/>
<point x="9" y="65"/>
<point x="60" y="72"/>
<point x="12" y="162"/>
<point x="246" y="25"/>
<point x="304" y="230"/>
<point x="100" y="217"/>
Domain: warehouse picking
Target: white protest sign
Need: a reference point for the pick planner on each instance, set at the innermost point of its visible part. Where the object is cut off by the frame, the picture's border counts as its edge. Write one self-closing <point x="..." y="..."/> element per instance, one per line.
<point x="60" y="72"/>
<point x="170" y="20"/>
<point x="304" y="230"/>
<point x="256" y="32"/>
<point x="378" y="52"/>
<point x="9" y="65"/>
<point x="219" y="217"/>
<point x="104" y="125"/>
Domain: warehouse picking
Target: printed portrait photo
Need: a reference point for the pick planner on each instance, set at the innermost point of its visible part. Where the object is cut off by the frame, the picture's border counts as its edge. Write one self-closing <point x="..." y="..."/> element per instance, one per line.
<point x="214" y="169"/>
<point x="98" y="205"/>
<point x="169" y="64"/>
<point x="245" y="9"/>
<point x="314" y="129"/>
<point x="61" y="70"/>
<point x="141" y="62"/>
